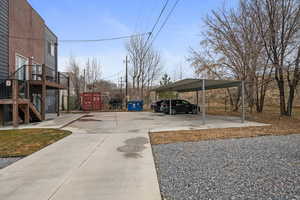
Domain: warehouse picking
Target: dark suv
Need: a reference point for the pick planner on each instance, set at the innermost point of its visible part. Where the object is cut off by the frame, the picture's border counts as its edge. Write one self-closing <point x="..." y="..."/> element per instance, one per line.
<point x="179" y="106"/>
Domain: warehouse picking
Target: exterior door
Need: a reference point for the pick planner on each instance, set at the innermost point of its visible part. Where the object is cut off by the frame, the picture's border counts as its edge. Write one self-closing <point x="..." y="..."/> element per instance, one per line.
<point x="22" y="68"/>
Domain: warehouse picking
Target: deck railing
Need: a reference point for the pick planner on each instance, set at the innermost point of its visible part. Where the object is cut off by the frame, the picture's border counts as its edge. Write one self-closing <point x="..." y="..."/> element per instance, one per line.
<point x="37" y="72"/>
<point x="7" y="85"/>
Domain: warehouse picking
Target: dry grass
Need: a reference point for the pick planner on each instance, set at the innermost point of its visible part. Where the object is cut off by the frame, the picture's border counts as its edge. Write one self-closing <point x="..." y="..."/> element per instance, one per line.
<point x="278" y="126"/>
<point x="18" y="143"/>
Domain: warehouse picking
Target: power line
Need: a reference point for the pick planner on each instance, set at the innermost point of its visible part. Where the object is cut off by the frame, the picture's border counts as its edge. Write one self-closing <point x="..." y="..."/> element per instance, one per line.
<point x="77" y="41"/>
<point x="158" y="19"/>
<point x="106" y="39"/>
<point x="166" y="20"/>
<point x="162" y="26"/>
<point x="153" y="28"/>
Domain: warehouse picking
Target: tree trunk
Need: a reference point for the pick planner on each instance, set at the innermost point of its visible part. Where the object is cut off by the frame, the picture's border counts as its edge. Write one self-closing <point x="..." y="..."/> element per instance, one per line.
<point x="293" y="85"/>
<point x="237" y="100"/>
<point x="260" y="103"/>
<point x="291" y="100"/>
<point x="280" y="84"/>
<point x="230" y="99"/>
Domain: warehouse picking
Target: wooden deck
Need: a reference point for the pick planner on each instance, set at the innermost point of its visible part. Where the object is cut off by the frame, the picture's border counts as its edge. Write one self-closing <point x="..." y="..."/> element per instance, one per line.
<point x="38" y="84"/>
<point x="49" y="84"/>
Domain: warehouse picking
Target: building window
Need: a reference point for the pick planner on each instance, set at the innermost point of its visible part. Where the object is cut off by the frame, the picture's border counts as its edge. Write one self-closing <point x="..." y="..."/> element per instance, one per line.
<point x="51" y="49"/>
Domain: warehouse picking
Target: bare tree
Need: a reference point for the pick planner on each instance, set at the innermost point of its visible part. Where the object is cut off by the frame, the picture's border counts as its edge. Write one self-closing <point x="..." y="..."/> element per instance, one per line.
<point x="76" y="79"/>
<point x="278" y="23"/>
<point x="92" y="72"/>
<point x="234" y="50"/>
<point x="136" y="48"/>
<point x="146" y="64"/>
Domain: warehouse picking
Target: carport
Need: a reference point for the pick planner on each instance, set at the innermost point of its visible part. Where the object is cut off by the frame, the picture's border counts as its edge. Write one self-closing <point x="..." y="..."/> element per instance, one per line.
<point x="195" y="85"/>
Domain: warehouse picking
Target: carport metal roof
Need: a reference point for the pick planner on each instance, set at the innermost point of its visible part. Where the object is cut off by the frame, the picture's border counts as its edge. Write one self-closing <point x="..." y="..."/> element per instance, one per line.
<point x="189" y="85"/>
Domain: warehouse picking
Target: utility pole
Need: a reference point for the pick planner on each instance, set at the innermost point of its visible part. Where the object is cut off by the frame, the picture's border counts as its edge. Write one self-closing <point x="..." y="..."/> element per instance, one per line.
<point x="84" y="80"/>
<point x="121" y="92"/>
<point x="121" y="87"/>
<point x="126" y="80"/>
<point x="126" y="77"/>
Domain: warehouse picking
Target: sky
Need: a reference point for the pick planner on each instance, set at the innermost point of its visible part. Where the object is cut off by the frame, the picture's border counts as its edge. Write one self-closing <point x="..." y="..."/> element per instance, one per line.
<point x="97" y="19"/>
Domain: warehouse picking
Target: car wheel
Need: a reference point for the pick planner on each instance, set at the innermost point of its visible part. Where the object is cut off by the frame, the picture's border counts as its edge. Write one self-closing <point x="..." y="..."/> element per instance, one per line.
<point x="194" y="111"/>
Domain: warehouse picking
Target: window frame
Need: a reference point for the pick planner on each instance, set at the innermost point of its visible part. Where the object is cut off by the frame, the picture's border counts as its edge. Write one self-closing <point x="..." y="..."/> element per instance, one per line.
<point x="51" y="48"/>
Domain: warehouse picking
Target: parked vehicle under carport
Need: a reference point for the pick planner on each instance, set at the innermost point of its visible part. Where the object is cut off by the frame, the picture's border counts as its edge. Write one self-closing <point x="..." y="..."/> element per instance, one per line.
<point x="179" y="106"/>
<point x="156" y="106"/>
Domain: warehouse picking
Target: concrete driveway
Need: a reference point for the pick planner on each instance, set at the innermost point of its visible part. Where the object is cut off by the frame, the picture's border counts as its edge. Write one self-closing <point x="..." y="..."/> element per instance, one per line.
<point x="145" y="122"/>
<point x="107" y="157"/>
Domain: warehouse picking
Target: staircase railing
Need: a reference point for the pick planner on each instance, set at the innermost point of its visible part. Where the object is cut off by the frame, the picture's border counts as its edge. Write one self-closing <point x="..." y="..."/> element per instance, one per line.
<point x="23" y="89"/>
<point x="21" y="73"/>
<point x="38" y="106"/>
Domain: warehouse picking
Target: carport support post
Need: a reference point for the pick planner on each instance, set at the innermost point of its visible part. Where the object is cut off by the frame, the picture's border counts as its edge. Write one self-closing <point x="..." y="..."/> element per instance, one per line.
<point x="243" y="101"/>
<point x="197" y="97"/>
<point x="170" y="107"/>
<point x="203" y="102"/>
<point x="68" y="99"/>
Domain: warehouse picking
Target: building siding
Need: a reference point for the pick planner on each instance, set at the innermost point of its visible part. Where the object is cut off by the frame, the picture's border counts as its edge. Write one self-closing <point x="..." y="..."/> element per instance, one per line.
<point x="51" y="62"/>
<point x="27" y="33"/>
<point x="4" y="31"/>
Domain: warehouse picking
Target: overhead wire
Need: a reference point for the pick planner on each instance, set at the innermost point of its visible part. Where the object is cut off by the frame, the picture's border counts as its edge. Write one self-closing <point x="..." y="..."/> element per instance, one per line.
<point x="107" y="39"/>
<point x="80" y="41"/>
<point x="166" y="20"/>
<point x="158" y="19"/>
<point x="161" y="27"/>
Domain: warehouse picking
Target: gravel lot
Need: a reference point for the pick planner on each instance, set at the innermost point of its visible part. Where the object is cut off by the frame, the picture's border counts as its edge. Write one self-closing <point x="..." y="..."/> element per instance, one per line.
<point x="4" y="162"/>
<point x="252" y="168"/>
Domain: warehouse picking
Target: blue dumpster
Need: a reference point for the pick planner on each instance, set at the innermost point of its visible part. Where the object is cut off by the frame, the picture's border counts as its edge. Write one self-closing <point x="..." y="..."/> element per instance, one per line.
<point x="135" y="105"/>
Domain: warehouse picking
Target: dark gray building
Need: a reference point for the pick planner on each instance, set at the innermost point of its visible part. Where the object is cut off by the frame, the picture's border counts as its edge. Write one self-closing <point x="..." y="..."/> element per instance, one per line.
<point x="4" y="43"/>
<point x="51" y="62"/>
